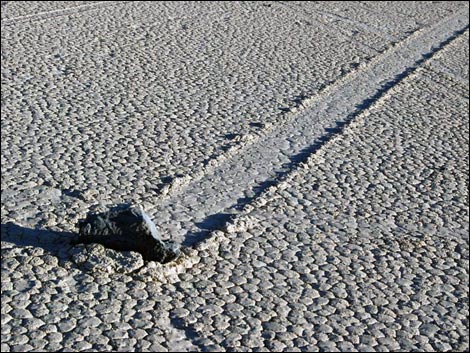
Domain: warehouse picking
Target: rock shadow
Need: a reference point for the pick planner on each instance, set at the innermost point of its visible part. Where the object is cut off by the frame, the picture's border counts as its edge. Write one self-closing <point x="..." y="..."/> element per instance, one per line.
<point x="50" y="240"/>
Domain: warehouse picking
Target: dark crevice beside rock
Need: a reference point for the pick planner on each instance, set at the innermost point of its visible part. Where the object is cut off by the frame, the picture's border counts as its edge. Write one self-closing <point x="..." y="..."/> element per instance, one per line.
<point x="127" y="228"/>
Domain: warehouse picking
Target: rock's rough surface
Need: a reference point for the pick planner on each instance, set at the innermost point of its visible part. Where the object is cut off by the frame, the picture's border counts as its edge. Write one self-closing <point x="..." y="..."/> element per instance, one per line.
<point x="127" y="228"/>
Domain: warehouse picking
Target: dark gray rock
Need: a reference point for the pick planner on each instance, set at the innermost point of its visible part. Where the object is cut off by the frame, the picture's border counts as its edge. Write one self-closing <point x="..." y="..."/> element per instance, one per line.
<point x="127" y="228"/>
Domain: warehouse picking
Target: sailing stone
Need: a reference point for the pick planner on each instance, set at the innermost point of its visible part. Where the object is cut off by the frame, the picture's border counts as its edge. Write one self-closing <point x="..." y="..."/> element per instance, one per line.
<point x="127" y="228"/>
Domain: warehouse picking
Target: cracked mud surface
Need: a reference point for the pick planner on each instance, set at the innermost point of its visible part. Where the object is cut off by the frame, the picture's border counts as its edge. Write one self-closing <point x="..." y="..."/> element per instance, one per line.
<point x="362" y="245"/>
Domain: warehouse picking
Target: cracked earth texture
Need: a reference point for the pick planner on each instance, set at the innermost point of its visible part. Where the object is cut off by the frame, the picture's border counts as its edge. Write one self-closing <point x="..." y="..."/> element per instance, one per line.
<point x="361" y="245"/>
